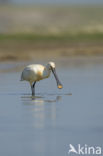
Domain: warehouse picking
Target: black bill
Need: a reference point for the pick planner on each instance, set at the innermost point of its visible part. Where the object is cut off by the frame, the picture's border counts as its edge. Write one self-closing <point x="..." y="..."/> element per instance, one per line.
<point x="57" y="79"/>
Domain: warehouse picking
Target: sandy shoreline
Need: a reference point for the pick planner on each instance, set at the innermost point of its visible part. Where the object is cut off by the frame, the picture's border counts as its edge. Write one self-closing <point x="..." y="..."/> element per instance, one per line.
<point x="45" y="32"/>
<point x="25" y="50"/>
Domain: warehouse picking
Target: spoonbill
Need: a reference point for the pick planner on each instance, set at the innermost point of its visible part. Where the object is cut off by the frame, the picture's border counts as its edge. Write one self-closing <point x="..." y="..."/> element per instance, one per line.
<point x="36" y="72"/>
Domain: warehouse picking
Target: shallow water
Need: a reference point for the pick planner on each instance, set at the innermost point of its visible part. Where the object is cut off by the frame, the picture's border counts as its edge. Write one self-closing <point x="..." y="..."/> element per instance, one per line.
<point x="46" y="124"/>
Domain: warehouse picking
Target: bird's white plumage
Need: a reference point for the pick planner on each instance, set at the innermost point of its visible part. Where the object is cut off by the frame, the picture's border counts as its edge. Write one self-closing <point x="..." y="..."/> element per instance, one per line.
<point x="35" y="72"/>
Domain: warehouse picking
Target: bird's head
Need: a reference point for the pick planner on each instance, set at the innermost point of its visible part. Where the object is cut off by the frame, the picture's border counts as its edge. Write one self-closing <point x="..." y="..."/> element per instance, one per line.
<point x="51" y="66"/>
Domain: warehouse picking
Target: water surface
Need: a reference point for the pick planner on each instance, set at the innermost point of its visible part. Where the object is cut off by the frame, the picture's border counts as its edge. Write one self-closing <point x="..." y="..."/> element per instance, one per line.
<point x="47" y="123"/>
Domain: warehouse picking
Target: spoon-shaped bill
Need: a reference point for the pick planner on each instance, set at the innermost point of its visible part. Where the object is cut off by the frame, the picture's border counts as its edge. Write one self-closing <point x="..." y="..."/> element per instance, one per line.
<point x="57" y="79"/>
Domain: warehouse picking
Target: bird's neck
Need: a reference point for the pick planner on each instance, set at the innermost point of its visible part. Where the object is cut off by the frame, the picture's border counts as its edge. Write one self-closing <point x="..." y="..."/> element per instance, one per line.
<point x="46" y="72"/>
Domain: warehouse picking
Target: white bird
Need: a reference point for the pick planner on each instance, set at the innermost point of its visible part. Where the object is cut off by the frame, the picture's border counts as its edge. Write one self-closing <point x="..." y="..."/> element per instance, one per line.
<point x="37" y="72"/>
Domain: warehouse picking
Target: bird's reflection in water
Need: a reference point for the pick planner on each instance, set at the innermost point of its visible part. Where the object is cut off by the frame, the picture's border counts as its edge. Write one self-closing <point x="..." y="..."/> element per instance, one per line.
<point x="42" y="109"/>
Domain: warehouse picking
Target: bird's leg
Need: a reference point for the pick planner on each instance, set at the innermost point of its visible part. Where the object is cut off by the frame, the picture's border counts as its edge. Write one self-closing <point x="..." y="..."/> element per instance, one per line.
<point x="33" y="88"/>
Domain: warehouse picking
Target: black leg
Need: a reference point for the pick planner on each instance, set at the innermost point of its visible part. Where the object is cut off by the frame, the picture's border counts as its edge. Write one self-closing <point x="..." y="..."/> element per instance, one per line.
<point x="34" y="84"/>
<point x="33" y="88"/>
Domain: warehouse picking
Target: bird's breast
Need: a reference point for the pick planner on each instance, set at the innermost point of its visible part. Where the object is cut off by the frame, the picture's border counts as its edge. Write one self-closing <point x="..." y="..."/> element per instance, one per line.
<point x="42" y="74"/>
<point x="39" y="75"/>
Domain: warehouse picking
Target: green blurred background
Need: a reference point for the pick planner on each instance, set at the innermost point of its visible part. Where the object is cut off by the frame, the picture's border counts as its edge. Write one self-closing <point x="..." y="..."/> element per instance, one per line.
<point x="32" y="30"/>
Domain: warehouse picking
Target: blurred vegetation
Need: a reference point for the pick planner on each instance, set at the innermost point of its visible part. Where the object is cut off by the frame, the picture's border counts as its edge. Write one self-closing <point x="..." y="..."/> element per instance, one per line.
<point x="29" y="31"/>
<point x="48" y="22"/>
<point x="96" y="36"/>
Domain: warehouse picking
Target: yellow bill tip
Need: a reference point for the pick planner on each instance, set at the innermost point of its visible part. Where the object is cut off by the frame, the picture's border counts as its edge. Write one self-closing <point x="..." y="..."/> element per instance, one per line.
<point x="60" y="86"/>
